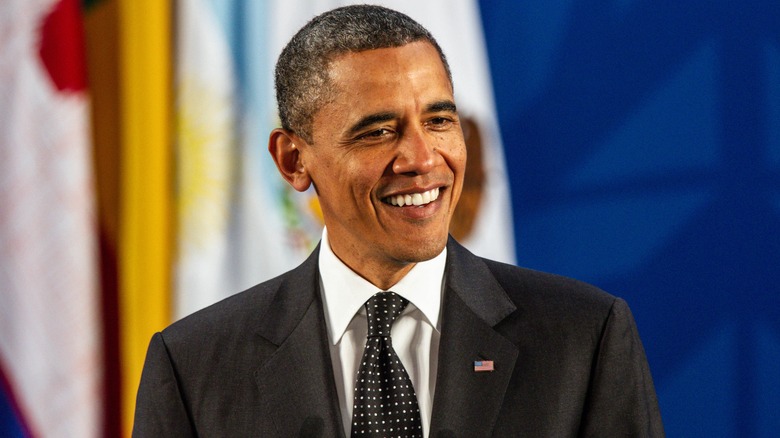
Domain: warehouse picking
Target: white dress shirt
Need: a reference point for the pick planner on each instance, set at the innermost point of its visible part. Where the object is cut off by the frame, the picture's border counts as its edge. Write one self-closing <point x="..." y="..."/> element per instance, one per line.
<point x="415" y="333"/>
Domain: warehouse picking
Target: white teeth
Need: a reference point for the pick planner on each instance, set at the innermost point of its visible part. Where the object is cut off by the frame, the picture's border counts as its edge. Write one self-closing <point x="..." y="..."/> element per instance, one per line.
<point x="415" y="199"/>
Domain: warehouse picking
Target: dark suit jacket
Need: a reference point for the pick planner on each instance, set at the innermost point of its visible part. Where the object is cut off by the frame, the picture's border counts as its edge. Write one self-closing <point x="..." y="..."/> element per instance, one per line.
<point x="568" y="361"/>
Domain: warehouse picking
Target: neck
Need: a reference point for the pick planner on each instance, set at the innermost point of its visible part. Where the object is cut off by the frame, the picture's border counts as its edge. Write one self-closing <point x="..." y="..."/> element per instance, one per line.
<point x="382" y="275"/>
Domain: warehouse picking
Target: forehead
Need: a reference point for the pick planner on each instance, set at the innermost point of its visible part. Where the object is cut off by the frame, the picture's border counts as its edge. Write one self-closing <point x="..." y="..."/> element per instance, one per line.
<point x="414" y="69"/>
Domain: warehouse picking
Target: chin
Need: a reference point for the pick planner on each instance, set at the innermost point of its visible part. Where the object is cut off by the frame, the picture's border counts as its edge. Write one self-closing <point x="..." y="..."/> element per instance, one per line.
<point x="422" y="250"/>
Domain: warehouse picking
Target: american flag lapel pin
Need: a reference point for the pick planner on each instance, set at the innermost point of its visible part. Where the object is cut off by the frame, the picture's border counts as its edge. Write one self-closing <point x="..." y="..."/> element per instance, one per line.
<point x="483" y="366"/>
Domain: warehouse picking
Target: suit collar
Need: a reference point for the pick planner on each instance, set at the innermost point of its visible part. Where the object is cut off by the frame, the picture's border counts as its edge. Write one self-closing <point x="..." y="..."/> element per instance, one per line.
<point x="297" y="379"/>
<point x="467" y="402"/>
<point x="296" y="293"/>
<point x="469" y="277"/>
<point x="466" y="275"/>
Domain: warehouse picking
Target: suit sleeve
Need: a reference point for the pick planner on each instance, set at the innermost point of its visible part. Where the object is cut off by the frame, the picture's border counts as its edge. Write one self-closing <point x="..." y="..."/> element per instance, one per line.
<point x="160" y="409"/>
<point x="621" y="398"/>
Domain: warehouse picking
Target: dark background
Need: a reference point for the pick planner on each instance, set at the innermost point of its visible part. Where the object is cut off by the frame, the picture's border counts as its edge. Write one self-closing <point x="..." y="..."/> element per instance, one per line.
<point x="642" y="141"/>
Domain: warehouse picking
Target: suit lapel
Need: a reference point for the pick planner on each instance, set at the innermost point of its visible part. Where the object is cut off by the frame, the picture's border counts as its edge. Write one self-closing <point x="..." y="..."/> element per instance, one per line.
<point x="467" y="402"/>
<point x="297" y="379"/>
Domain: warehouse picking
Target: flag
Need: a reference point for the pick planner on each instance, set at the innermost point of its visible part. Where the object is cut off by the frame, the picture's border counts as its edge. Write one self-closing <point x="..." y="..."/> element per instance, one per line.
<point x="205" y="132"/>
<point x="239" y="223"/>
<point x="483" y="365"/>
<point x="145" y="222"/>
<point x="50" y="334"/>
<point x="483" y="218"/>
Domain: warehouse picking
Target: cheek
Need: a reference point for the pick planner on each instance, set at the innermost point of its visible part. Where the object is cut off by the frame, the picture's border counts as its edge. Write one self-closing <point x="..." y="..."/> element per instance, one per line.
<point x="356" y="176"/>
<point x="454" y="153"/>
<point x="455" y="157"/>
<point x="367" y="166"/>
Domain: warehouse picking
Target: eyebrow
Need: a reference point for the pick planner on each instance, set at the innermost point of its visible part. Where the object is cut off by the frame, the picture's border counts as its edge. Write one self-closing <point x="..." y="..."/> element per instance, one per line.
<point x="442" y="105"/>
<point x="372" y="119"/>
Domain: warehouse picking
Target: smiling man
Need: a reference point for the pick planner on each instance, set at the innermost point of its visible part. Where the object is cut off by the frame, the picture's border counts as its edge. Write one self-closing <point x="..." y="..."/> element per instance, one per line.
<point x="386" y="155"/>
<point x="391" y="328"/>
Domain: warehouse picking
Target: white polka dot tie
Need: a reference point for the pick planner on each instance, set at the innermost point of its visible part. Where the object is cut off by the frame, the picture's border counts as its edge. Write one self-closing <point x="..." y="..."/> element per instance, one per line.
<point x="385" y="403"/>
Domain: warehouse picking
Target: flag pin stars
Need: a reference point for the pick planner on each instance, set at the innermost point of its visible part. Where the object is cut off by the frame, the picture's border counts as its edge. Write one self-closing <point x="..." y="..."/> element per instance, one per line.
<point x="483" y="366"/>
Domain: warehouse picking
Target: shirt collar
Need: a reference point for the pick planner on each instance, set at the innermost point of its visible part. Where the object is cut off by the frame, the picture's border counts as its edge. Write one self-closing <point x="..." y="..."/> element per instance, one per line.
<point x="345" y="292"/>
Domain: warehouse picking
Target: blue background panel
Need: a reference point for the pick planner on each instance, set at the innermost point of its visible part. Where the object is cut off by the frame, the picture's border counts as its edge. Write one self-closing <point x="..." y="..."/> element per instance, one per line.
<point x="642" y="141"/>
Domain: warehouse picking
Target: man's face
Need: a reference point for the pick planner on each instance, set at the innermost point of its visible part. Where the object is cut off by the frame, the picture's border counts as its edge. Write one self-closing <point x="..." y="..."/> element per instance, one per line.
<point x="390" y="136"/>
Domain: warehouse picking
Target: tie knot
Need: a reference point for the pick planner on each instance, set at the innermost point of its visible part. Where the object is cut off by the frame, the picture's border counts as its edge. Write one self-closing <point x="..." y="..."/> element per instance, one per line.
<point x="382" y="309"/>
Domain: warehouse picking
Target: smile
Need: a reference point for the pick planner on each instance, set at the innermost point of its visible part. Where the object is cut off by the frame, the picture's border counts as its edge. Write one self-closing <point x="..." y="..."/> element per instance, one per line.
<point x="415" y="199"/>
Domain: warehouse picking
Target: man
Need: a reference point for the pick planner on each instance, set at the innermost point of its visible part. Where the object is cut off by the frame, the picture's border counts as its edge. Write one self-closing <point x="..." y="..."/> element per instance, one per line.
<point x="474" y="347"/>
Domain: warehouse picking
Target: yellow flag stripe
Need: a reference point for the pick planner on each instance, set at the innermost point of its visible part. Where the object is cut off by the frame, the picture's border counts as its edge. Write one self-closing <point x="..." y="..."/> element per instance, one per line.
<point x="145" y="228"/>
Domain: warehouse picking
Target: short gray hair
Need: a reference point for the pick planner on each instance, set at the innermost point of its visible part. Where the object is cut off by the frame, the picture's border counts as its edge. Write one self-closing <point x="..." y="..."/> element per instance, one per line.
<point x="301" y="78"/>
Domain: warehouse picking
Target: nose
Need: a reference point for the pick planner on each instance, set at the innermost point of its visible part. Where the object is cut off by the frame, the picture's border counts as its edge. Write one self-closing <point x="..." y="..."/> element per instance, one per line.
<point x="416" y="154"/>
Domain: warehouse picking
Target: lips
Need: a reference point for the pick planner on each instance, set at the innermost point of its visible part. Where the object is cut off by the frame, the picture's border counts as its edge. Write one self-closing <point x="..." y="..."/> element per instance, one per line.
<point x="414" y="199"/>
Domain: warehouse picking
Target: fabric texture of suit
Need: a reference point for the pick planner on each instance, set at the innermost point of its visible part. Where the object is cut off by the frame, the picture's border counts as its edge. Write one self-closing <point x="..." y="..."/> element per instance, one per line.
<point x="568" y="361"/>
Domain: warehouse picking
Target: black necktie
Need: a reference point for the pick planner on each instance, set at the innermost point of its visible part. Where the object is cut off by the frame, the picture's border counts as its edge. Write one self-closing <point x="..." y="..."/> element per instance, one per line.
<point x="385" y="403"/>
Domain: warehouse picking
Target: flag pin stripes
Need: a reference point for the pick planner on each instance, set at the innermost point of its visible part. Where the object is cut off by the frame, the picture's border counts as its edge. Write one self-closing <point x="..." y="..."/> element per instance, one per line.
<point x="483" y="365"/>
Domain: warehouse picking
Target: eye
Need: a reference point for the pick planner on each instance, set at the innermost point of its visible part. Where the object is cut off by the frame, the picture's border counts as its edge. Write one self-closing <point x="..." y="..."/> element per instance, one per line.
<point x="375" y="134"/>
<point x="439" y="123"/>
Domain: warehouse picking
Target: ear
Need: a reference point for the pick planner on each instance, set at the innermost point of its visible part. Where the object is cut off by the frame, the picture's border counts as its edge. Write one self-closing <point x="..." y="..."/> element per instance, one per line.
<point x="284" y="148"/>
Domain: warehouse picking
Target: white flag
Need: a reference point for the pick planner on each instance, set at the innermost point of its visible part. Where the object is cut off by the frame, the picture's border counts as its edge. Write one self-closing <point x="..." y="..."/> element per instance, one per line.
<point x="49" y="311"/>
<point x="205" y="156"/>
